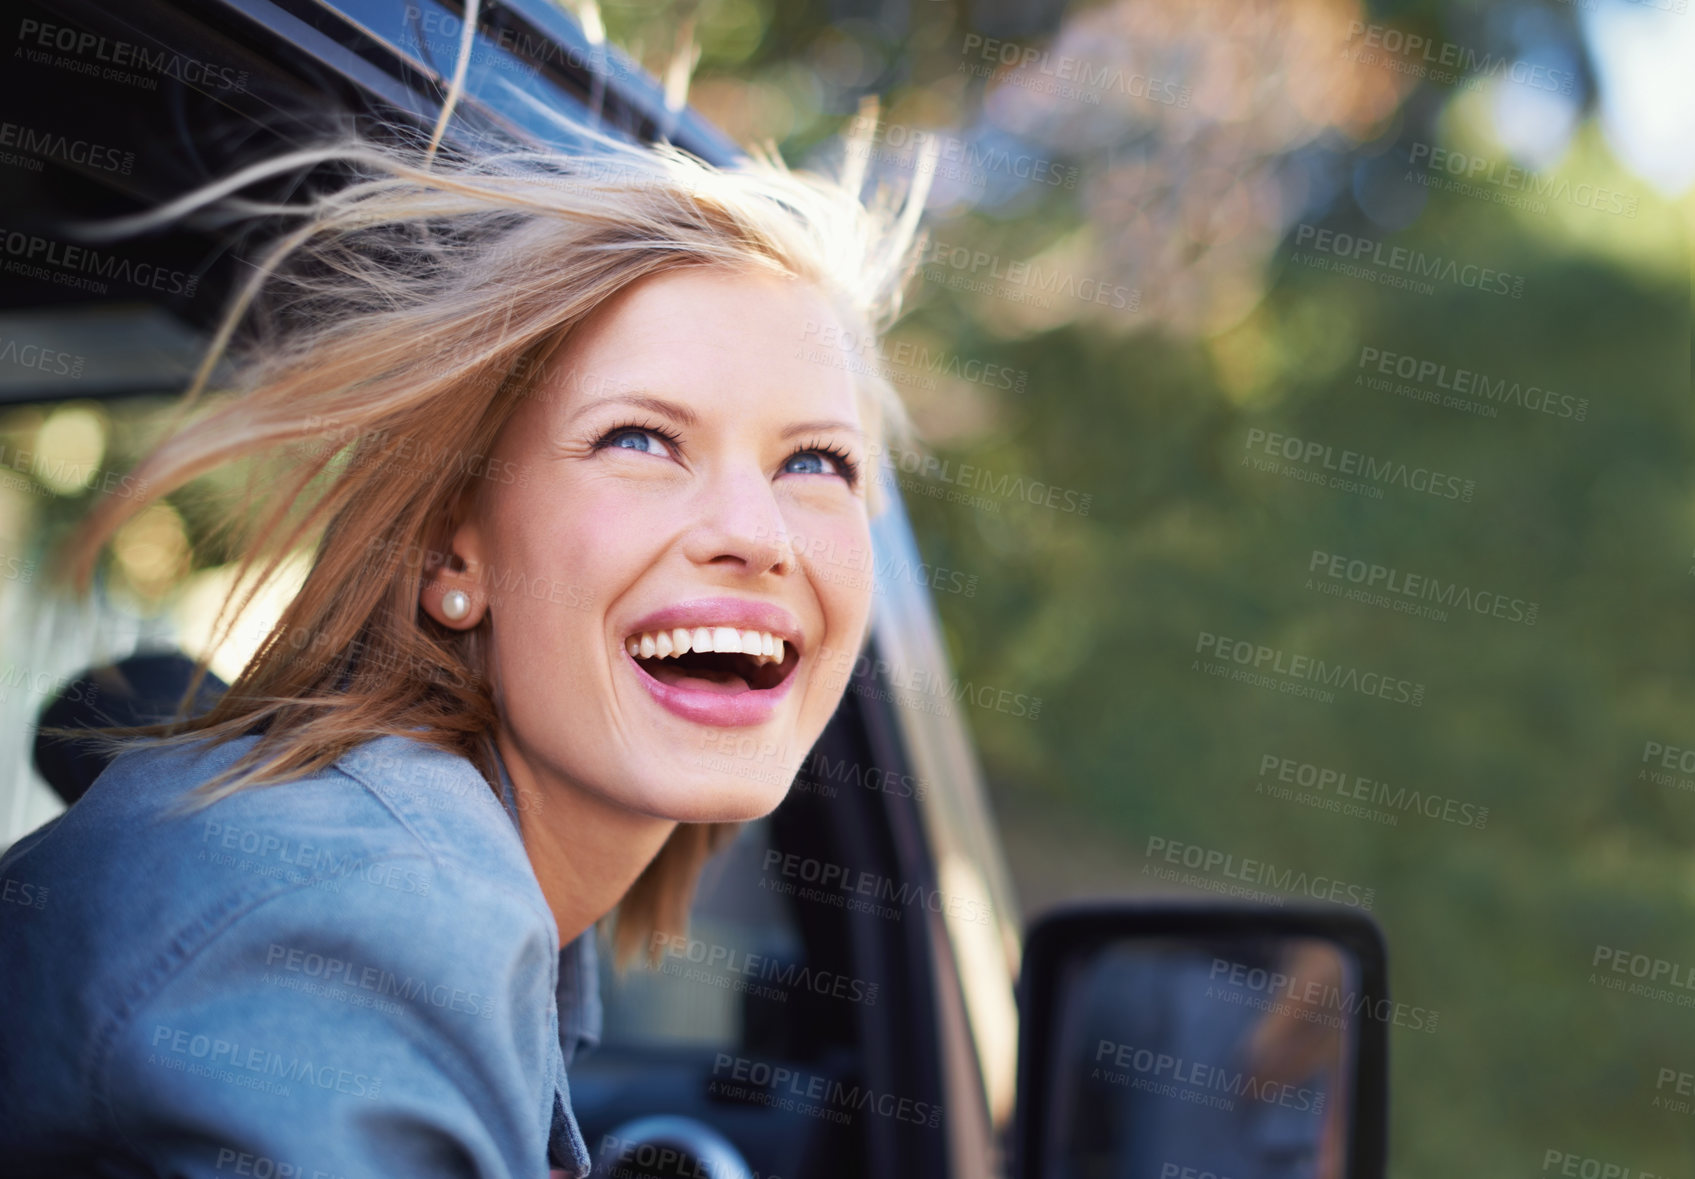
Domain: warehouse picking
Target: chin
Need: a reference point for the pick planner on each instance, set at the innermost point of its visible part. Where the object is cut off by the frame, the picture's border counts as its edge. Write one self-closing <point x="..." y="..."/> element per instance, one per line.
<point x="729" y="778"/>
<point x="725" y="802"/>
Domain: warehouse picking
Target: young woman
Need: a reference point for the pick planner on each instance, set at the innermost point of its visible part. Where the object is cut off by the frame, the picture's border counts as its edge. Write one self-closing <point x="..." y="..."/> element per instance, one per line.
<point x="575" y="440"/>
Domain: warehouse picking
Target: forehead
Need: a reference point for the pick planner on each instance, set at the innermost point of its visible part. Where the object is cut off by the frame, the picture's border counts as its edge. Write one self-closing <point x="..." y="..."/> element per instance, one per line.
<point x="718" y="340"/>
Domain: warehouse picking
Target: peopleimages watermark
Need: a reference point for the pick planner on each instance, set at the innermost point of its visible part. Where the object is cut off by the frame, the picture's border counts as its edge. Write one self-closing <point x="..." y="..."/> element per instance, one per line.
<point x="1251" y="873"/>
<point x="1434" y="382"/>
<point x="1617" y="969"/>
<point x="1357" y="796"/>
<point x="37" y="145"/>
<point x="821" y="774"/>
<point x="638" y="1158"/>
<point x="84" y="268"/>
<point x="919" y="688"/>
<point x="1309" y="1000"/>
<point x="16" y="568"/>
<point x="370" y="447"/>
<point x="431" y="784"/>
<point x="771" y="774"/>
<point x="1261" y="665"/>
<point x="1063" y="75"/>
<point x="357" y="984"/>
<point x="252" y="1066"/>
<point x="861" y="891"/>
<point x="1577" y="1166"/>
<point x="961" y="268"/>
<point x="1397" y="266"/>
<point x="113" y="59"/>
<point x="780" y="1087"/>
<point x="1447" y="61"/>
<point x="1681" y="1085"/>
<point x="901" y="146"/>
<point x="52" y="361"/>
<point x="1486" y="179"/>
<point x="1175" y="1170"/>
<point x="980" y="481"/>
<point x="248" y="1165"/>
<point x="1420" y="595"/>
<point x="860" y="567"/>
<point x="1660" y="760"/>
<point x="1309" y="460"/>
<point x="737" y="751"/>
<point x="435" y="35"/>
<point x="737" y="969"/>
<point x="41" y="685"/>
<point x="465" y="358"/>
<point x="532" y="48"/>
<point x="60" y="472"/>
<point x="320" y="653"/>
<point x="298" y="861"/>
<point x="1165" y="1075"/>
<point x="499" y="584"/>
<point x="25" y="894"/>
<point x="919" y="368"/>
<point x="903" y="362"/>
<point x="1185" y="1171"/>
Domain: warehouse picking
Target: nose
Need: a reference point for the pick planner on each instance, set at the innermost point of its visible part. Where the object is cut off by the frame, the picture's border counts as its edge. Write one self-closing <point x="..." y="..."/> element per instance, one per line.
<point x="739" y="523"/>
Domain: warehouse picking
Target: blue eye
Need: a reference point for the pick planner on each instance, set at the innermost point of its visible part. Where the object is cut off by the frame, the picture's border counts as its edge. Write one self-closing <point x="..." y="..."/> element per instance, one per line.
<point x="635" y="438"/>
<point x="808" y="462"/>
<point x="823" y="460"/>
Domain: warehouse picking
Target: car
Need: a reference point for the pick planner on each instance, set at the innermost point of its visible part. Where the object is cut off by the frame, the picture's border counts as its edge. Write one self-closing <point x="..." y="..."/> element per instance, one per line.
<point x="858" y="994"/>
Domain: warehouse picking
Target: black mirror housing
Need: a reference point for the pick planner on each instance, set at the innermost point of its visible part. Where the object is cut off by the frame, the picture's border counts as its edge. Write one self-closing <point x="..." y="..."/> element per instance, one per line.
<point x="1166" y="1039"/>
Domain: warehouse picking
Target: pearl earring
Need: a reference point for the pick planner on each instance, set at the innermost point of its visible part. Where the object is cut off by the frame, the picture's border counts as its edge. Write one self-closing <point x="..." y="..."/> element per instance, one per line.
<point x="456" y="604"/>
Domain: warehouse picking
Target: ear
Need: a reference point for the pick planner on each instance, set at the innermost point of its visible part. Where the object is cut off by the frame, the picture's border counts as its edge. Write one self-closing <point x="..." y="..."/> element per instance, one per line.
<point x="458" y="570"/>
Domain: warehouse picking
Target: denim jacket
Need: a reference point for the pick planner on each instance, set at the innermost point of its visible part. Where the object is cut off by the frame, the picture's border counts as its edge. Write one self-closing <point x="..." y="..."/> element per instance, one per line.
<point x="350" y="975"/>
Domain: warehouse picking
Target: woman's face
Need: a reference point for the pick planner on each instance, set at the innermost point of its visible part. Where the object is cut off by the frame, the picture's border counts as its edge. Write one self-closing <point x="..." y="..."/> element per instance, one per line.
<point x="685" y="476"/>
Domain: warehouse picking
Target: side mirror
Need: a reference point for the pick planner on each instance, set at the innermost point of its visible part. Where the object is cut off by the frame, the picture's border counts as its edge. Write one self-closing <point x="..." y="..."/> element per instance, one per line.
<point x="1167" y="1040"/>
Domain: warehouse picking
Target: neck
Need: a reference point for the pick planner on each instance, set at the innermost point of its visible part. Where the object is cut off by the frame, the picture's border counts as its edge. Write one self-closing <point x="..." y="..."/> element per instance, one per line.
<point x="585" y="851"/>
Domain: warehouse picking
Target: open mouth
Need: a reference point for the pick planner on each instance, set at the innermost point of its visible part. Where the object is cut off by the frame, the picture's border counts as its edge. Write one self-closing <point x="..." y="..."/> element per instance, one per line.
<point x="719" y="659"/>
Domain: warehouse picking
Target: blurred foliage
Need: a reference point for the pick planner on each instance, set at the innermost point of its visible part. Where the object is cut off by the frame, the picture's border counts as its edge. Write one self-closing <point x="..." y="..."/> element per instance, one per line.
<point x="1546" y="725"/>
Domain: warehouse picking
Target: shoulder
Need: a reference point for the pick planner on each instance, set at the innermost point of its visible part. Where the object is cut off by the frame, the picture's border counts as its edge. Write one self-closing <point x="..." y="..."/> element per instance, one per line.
<point x="141" y="829"/>
<point x="382" y="1028"/>
<point x="387" y="895"/>
<point x="139" y="859"/>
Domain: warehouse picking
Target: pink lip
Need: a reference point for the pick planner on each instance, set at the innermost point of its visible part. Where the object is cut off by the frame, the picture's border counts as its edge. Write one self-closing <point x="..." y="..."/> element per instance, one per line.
<point x="726" y="710"/>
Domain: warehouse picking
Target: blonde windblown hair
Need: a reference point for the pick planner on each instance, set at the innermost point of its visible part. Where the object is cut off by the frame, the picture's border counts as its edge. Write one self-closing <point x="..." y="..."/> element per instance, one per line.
<point x="374" y="354"/>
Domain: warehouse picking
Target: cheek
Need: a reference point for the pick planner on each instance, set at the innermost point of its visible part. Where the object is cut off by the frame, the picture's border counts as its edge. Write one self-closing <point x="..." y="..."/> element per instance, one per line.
<point x="838" y="561"/>
<point x="553" y="568"/>
<point x="581" y="545"/>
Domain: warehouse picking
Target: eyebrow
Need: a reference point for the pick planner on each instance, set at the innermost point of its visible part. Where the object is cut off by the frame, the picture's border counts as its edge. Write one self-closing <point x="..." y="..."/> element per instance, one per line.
<point x="687" y="417"/>
<point x="658" y="405"/>
<point x="821" y="426"/>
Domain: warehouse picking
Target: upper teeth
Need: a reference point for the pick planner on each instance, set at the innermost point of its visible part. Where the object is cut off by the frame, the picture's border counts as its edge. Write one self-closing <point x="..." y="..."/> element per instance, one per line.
<point x="762" y="645"/>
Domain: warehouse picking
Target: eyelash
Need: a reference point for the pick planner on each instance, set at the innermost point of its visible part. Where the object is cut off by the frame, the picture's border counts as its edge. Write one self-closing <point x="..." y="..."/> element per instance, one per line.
<point x="671" y="436"/>
<point x="844" y="462"/>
